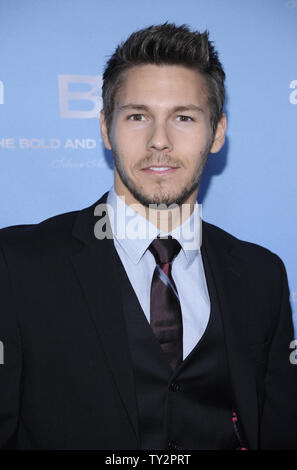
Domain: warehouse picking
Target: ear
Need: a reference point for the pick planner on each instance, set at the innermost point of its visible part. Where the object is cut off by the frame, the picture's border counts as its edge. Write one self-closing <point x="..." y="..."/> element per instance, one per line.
<point x="103" y="129"/>
<point x="220" y="134"/>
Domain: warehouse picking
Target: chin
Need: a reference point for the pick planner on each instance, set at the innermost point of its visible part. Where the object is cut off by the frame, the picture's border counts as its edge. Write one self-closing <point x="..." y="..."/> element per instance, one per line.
<point x="159" y="197"/>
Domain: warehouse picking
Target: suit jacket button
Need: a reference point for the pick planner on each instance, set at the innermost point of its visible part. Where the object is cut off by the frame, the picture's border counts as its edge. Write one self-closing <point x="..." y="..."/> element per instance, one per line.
<point x="175" y="387"/>
<point x="172" y="445"/>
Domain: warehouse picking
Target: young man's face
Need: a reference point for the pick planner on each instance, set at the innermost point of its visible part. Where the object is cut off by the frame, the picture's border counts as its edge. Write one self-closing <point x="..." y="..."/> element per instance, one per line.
<point x="161" y="134"/>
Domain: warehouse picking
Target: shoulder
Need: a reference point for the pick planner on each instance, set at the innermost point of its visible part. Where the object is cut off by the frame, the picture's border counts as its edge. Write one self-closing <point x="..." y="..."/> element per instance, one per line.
<point x="52" y="237"/>
<point x="56" y="226"/>
<point x="261" y="274"/>
<point x="250" y="255"/>
<point x="57" y="235"/>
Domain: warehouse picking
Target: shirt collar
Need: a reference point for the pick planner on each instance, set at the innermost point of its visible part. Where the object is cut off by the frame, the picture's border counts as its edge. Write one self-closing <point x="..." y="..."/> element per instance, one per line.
<point x="135" y="232"/>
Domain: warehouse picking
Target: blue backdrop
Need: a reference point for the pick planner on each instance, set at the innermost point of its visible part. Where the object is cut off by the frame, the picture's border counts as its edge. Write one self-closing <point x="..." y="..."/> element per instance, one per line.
<point x="51" y="155"/>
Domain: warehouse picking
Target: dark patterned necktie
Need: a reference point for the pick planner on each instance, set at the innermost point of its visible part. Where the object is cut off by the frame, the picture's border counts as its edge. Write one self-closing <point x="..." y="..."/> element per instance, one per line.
<point x="165" y="310"/>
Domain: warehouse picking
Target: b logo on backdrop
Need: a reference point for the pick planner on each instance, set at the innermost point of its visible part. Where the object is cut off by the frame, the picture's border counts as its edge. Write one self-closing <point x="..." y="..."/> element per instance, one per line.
<point x="79" y="98"/>
<point x="71" y="101"/>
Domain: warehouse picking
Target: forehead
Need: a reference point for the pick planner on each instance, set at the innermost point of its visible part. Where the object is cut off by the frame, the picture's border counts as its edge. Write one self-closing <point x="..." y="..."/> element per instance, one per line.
<point x="162" y="85"/>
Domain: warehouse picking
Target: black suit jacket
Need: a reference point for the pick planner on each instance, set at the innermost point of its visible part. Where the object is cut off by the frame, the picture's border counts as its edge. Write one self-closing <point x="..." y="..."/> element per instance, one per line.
<point x="67" y="379"/>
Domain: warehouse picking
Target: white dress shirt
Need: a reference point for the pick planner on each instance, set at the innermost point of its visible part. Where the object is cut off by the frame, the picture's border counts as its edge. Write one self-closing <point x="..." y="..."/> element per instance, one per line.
<point x="133" y="234"/>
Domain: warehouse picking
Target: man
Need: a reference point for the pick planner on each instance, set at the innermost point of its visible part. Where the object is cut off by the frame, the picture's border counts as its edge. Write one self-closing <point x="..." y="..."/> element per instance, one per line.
<point x="132" y="324"/>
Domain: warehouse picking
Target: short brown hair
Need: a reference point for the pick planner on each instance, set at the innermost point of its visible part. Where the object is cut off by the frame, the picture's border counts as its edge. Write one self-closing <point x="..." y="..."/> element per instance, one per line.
<point x="166" y="44"/>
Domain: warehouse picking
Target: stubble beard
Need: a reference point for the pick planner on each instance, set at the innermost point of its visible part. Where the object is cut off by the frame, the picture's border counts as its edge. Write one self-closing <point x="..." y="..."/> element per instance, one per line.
<point x="161" y="197"/>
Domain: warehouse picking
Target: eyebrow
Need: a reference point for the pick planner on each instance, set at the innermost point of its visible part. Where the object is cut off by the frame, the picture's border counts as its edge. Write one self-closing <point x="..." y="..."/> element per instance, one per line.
<point x="143" y="107"/>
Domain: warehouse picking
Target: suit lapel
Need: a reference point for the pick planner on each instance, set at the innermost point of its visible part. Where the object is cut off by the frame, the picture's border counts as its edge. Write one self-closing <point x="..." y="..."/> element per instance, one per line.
<point x="228" y="273"/>
<point x="94" y="269"/>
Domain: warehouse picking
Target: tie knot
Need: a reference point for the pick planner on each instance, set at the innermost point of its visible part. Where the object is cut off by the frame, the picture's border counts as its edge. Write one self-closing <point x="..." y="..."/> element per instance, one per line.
<point x="164" y="249"/>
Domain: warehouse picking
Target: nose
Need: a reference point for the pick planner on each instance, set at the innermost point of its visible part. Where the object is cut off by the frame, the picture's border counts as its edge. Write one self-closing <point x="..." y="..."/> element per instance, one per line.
<point x="159" y="139"/>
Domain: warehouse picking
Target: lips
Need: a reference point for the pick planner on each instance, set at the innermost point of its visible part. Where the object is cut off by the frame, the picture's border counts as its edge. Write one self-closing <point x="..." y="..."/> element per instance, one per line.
<point x="160" y="169"/>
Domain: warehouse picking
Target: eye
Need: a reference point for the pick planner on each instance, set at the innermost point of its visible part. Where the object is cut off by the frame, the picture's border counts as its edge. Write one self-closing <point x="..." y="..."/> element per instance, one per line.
<point x="184" y="118"/>
<point x="136" y="117"/>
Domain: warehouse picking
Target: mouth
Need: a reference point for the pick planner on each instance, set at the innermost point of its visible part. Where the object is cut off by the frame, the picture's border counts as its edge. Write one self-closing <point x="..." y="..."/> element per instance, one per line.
<point x="160" y="170"/>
